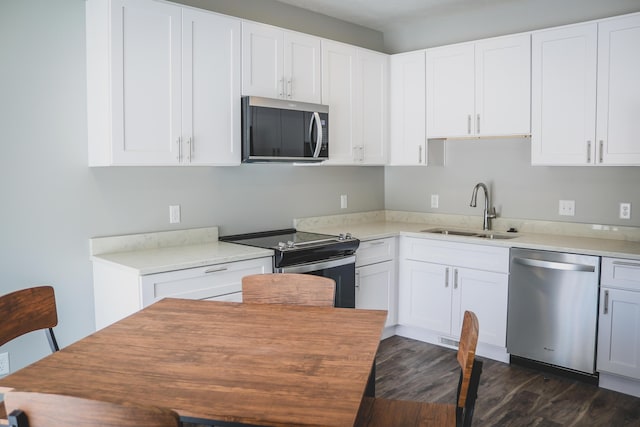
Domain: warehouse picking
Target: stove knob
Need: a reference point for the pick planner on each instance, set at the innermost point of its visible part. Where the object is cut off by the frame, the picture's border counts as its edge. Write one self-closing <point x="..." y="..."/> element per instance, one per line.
<point x="290" y="244"/>
<point x="282" y="245"/>
<point x="341" y="236"/>
<point x="349" y="236"/>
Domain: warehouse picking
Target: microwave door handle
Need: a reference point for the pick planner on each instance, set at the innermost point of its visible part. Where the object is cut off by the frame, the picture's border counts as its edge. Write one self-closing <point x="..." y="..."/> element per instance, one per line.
<point x="316" y="153"/>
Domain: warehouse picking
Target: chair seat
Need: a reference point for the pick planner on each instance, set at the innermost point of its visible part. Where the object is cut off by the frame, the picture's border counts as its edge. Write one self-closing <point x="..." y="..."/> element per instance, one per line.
<point x="376" y="412"/>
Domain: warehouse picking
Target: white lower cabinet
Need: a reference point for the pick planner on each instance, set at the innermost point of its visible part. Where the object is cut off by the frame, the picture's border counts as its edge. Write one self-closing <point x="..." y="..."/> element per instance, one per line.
<point x="119" y="293"/>
<point x="440" y="280"/>
<point x="619" y="319"/>
<point x="376" y="277"/>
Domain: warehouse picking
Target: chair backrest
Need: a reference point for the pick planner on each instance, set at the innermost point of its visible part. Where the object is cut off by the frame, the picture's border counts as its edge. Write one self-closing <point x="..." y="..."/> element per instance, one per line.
<point x="28" y="310"/>
<point x="30" y="409"/>
<point x="288" y="288"/>
<point x="470" y="369"/>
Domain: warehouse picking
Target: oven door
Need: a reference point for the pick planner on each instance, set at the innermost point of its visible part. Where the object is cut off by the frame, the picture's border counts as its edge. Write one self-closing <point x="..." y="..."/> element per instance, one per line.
<point x="342" y="270"/>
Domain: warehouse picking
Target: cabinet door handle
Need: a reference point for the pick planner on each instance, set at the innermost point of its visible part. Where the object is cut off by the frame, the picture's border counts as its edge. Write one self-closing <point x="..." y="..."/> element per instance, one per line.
<point x="190" y="147"/>
<point x="419" y="154"/>
<point x="601" y="151"/>
<point x="469" y="124"/>
<point x="281" y="92"/>
<point x="357" y="280"/>
<point x="588" y="151"/>
<point x="478" y="124"/>
<point x="289" y="88"/>
<point x="455" y="278"/>
<point x="216" y="270"/>
<point x="606" y="303"/>
<point x="446" y="277"/>
<point x="379" y="242"/>
<point x="179" y="142"/>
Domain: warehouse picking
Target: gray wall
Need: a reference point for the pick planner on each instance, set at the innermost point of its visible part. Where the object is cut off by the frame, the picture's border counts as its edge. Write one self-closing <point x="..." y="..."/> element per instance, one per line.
<point x="464" y="21"/>
<point x="294" y="18"/>
<point x="518" y="189"/>
<point x="52" y="203"/>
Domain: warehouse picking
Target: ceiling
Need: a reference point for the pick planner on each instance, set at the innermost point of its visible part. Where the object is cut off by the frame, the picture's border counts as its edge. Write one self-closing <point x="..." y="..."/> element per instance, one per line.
<point x="383" y="15"/>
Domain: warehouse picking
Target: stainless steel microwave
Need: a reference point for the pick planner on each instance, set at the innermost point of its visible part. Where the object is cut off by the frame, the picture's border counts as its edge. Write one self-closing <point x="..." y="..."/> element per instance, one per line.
<point x="276" y="130"/>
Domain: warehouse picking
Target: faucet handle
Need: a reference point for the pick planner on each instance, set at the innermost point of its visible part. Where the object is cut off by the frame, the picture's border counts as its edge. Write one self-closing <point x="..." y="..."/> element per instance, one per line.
<point x="492" y="213"/>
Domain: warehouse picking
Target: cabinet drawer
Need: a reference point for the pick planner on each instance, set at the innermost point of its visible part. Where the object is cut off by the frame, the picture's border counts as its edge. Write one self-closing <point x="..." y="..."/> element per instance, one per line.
<point x="480" y="257"/>
<point x="203" y="282"/>
<point x="374" y="251"/>
<point x="621" y="273"/>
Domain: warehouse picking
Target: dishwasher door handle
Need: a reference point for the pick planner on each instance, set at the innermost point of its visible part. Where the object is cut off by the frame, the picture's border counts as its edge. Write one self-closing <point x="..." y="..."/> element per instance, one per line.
<point x="554" y="265"/>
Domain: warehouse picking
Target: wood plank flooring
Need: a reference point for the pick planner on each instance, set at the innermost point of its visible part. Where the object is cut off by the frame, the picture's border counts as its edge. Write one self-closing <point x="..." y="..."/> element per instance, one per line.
<point x="509" y="395"/>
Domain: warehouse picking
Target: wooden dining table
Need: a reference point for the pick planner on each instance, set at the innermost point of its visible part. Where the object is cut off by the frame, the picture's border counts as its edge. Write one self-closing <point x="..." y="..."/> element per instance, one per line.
<point x="250" y="364"/>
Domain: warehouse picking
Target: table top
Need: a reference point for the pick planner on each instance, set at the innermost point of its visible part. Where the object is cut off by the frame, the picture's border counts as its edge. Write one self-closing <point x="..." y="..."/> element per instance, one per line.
<point x="261" y="364"/>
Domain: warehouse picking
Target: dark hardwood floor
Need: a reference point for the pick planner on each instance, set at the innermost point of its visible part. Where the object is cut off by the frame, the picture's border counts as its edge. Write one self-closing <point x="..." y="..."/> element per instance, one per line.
<point x="509" y="395"/>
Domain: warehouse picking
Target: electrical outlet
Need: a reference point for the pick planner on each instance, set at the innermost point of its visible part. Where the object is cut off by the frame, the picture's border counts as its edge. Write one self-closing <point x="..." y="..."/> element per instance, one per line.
<point x="4" y="364"/>
<point x="567" y="207"/>
<point x="625" y="210"/>
<point x="435" y="201"/>
<point x="343" y="201"/>
<point x="174" y="214"/>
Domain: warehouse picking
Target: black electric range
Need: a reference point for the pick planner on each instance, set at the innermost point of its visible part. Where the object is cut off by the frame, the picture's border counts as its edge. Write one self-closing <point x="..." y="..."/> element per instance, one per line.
<point x="292" y="247"/>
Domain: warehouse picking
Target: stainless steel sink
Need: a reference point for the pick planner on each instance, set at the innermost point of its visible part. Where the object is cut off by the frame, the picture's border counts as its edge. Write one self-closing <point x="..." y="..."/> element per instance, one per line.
<point x="482" y="235"/>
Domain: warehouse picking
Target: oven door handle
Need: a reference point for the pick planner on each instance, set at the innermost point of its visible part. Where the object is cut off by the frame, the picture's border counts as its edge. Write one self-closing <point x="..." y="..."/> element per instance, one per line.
<point x="318" y="265"/>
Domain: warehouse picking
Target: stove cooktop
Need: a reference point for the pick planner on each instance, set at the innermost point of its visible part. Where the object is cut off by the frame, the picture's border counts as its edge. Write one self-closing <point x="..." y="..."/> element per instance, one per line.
<point x="295" y="247"/>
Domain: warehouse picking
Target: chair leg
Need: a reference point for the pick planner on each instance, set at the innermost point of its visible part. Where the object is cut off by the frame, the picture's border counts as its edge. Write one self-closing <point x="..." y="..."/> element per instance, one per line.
<point x="18" y="418"/>
<point x="52" y="340"/>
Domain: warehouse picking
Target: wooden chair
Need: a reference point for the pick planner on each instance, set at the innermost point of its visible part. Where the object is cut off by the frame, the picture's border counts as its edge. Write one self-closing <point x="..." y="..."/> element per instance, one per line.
<point x="30" y="409"/>
<point x="288" y="288"/>
<point x="377" y="412"/>
<point x="28" y="310"/>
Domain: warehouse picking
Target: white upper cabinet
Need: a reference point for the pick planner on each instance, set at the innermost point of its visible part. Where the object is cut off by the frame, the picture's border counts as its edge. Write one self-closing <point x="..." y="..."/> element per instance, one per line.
<point x="503" y="86"/>
<point x="618" y="97"/>
<point x="586" y="94"/>
<point x="407" y="115"/>
<point x="450" y="91"/>
<point x="162" y="84"/>
<point x="211" y="89"/>
<point x="372" y="112"/>
<point x="355" y="87"/>
<point x="283" y="64"/>
<point x="479" y="89"/>
<point x="564" y="95"/>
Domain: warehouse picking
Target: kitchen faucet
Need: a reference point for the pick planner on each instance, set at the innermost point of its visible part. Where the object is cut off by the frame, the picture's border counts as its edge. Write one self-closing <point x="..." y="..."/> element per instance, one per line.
<point x="487" y="214"/>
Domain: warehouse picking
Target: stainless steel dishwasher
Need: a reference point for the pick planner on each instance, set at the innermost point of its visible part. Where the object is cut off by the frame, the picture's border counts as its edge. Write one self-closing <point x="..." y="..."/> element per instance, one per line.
<point x="553" y="310"/>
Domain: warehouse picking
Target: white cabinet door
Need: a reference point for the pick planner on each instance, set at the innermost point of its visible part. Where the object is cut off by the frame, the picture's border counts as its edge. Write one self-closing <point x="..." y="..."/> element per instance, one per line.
<point x="211" y="89"/>
<point x="425" y="296"/>
<point x="486" y="294"/>
<point x="450" y="91"/>
<point x="280" y="64"/>
<point x="619" y="332"/>
<point x="503" y="86"/>
<point x="563" y="95"/>
<point x="146" y="82"/>
<point x="338" y="92"/>
<point x="262" y="60"/>
<point x="372" y="120"/>
<point x="302" y="67"/>
<point x="375" y="289"/>
<point x="408" y="103"/>
<point x="618" y="91"/>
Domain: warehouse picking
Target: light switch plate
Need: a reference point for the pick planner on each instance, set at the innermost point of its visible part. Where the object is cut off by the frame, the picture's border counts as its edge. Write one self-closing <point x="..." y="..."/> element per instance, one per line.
<point x="435" y="201"/>
<point x="174" y="214"/>
<point x="343" y="201"/>
<point x="567" y="207"/>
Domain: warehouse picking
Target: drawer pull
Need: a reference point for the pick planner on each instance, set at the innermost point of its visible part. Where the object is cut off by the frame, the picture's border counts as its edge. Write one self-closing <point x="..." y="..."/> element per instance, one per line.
<point x="379" y="242"/>
<point x="216" y="270"/>
<point x="606" y="303"/>
<point x="627" y="264"/>
<point x="446" y="277"/>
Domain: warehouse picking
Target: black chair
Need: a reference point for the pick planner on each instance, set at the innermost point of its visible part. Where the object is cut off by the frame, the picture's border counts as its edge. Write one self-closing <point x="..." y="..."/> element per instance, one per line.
<point x="29" y="310"/>
<point x="30" y="409"/>
<point x="377" y="412"/>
